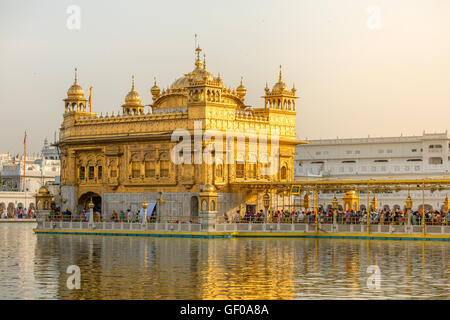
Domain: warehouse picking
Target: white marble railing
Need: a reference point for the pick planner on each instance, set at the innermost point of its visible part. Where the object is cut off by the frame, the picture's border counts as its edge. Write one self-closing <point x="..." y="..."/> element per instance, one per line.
<point x="248" y="227"/>
<point x="330" y="228"/>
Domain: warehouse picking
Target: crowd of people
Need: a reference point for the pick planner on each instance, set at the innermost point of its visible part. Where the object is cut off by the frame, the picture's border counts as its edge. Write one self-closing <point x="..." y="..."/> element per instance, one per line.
<point x="384" y="217"/>
<point x="432" y="217"/>
<point x="129" y="216"/>
<point x="19" y="213"/>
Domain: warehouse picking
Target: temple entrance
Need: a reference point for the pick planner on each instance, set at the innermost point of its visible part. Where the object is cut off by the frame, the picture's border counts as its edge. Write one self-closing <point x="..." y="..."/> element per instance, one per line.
<point x="194" y="206"/>
<point x="83" y="202"/>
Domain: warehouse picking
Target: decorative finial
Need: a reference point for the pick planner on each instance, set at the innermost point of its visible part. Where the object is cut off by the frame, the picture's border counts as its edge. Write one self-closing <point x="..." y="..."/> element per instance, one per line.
<point x="204" y="61"/>
<point x="198" y="63"/>
<point x="241" y="80"/>
<point x="155" y="81"/>
<point x="132" y="82"/>
<point x="76" y="76"/>
<point x="281" y="75"/>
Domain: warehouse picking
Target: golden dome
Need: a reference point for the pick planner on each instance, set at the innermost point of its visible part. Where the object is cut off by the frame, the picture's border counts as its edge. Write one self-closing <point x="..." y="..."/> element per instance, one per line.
<point x="208" y="188"/>
<point x="133" y="97"/>
<point x="280" y="86"/>
<point x="155" y="90"/>
<point x="241" y="90"/>
<point x="75" y="91"/>
<point x="43" y="190"/>
<point x="196" y="75"/>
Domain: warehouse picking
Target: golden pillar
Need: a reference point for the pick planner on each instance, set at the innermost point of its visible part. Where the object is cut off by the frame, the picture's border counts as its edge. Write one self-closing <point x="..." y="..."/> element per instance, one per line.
<point x="446" y="204"/>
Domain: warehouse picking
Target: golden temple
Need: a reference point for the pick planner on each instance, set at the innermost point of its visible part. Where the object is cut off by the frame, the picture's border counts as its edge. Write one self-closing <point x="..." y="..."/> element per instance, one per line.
<point x="123" y="159"/>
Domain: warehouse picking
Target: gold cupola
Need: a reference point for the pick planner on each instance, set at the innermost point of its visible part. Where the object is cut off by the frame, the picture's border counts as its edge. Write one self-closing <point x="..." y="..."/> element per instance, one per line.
<point x="155" y="91"/>
<point x="280" y="97"/>
<point x="75" y="101"/>
<point x="75" y="91"/>
<point x="280" y="86"/>
<point x="133" y="102"/>
<point x="241" y="91"/>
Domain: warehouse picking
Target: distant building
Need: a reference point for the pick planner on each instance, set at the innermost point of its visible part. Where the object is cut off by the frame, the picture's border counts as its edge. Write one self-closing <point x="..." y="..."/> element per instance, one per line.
<point x="404" y="157"/>
<point x="41" y="169"/>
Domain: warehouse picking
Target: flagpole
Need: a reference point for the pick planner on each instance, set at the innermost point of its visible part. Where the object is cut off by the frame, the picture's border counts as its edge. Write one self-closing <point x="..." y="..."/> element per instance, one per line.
<point x="24" y="159"/>
<point x="90" y="99"/>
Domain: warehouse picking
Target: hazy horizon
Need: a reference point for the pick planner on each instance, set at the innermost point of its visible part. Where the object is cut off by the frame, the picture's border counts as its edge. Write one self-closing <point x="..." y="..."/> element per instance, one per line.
<point x="353" y="81"/>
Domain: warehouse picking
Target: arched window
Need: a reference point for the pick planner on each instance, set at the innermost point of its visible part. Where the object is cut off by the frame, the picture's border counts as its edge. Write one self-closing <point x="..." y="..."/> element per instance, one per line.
<point x="213" y="205"/>
<point x="164" y="165"/>
<point x="82" y="172"/>
<point x="283" y="173"/>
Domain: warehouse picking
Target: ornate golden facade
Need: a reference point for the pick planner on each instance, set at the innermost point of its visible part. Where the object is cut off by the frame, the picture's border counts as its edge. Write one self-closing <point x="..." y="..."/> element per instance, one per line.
<point x="123" y="159"/>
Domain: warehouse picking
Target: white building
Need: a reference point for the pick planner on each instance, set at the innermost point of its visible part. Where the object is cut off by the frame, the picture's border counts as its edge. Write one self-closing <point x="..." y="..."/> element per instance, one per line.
<point x="41" y="169"/>
<point x="404" y="157"/>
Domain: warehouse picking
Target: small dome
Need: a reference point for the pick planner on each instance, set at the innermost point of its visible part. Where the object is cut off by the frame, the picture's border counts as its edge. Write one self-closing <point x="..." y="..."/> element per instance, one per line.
<point x="155" y="90"/>
<point x="241" y="90"/>
<point x="279" y="86"/>
<point x="75" y="91"/>
<point x="208" y="188"/>
<point x="43" y="190"/>
<point x="133" y="97"/>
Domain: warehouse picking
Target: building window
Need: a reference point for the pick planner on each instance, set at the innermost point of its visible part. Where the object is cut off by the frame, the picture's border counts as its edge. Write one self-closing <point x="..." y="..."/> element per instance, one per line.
<point x="357" y="152"/>
<point x="417" y="168"/>
<point x="239" y="170"/>
<point x="283" y="173"/>
<point x="318" y="153"/>
<point x="91" y="173"/>
<point x="406" y="168"/>
<point x="414" y="150"/>
<point x="349" y="151"/>
<point x="435" y="160"/>
<point x="397" y="168"/>
<point x="389" y="151"/>
<point x="164" y="169"/>
<point x="82" y="173"/>
<point x="99" y="172"/>
<point x="135" y="169"/>
<point x="149" y="169"/>
<point x="381" y="151"/>
<point x="325" y="152"/>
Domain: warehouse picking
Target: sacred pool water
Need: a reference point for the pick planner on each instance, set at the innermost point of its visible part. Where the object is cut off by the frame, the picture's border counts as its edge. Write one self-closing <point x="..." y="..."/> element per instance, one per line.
<point x="111" y="267"/>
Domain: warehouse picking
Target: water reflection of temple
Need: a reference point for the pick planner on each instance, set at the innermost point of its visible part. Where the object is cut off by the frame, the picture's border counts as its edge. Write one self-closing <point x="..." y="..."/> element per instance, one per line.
<point x="178" y="268"/>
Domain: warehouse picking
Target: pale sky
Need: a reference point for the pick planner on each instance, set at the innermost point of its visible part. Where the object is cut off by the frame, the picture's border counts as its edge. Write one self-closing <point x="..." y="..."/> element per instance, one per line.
<point x="352" y="80"/>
